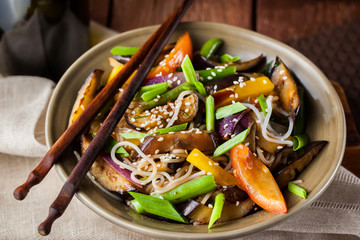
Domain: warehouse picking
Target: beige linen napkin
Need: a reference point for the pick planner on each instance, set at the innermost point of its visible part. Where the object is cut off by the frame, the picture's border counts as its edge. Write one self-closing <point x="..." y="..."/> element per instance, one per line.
<point x="335" y="215"/>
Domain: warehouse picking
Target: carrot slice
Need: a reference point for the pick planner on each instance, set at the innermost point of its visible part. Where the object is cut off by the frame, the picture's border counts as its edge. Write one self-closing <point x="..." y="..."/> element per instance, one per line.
<point x="173" y="60"/>
<point x="257" y="180"/>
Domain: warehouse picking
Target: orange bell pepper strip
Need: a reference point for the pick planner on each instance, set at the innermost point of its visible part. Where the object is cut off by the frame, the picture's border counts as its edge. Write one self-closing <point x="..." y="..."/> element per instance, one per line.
<point x="202" y="162"/>
<point x="257" y="180"/>
<point x="174" y="59"/>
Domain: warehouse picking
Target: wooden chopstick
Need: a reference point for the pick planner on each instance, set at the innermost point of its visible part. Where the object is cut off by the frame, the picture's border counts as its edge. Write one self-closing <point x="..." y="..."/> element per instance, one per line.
<point x="67" y="192"/>
<point x="75" y="129"/>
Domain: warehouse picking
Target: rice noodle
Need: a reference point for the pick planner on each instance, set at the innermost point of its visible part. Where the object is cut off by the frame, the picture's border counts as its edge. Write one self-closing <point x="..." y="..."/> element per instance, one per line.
<point x="177" y="107"/>
<point x="206" y="197"/>
<point x="135" y="171"/>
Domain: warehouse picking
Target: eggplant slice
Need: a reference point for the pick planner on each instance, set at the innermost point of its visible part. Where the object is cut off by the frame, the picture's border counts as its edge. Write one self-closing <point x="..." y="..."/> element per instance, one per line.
<point x="106" y="175"/>
<point x="286" y="87"/>
<point x="296" y="162"/>
<point x="161" y="115"/>
<point x="203" y="140"/>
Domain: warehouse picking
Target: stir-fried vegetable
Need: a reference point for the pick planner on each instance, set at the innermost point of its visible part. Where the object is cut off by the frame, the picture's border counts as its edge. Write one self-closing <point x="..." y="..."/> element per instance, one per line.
<point x="203" y="141"/>
<point x="257" y="180"/>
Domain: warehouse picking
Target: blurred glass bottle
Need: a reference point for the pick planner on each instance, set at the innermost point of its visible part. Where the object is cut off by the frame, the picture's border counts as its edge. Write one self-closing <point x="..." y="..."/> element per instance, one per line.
<point x="42" y="37"/>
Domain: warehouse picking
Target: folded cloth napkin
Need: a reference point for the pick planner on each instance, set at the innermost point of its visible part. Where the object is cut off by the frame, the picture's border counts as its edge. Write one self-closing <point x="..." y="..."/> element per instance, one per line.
<point x="335" y="215"/>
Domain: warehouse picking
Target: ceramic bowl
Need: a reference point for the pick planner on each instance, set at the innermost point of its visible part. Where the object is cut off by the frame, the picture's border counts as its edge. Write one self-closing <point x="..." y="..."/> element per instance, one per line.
<point x="325" y="122"/>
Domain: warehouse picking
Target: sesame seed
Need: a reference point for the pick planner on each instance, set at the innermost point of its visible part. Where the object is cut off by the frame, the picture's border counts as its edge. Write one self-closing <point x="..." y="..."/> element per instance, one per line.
<point x="233" y="101"/>
<point x="210" y="163"/>
<point x="170" y="75"/>
<point x="209" y="173"/>
<point x="219" y="70"/>
<point x="209" y="78"/>
<point x="232" y="95"/>
<point x="208" y="68"/>
<point x="178" y="82"/>
<point x="82" y="107"/>
<point x="264" y="81"/>
<point x="156" y="99"/>
<point x="195" y="154"/>
<point x="237" y="203"/>
<point x="138" y="128"/>
<point x="247" y="144"/>
<point x="235" y="82"/>
<point x="210" y="206"/>
<point x="252" y="79"/>
<point x="282" y="71"/>
<point x="213" y="73"/>
<point x="225" y="126"/>
<point x="236" y="95"/>
<point x="160" y="139"/>
<point x="284" y="77"/>
<point x="216" y="164"/>
<point x="132" y="119"/>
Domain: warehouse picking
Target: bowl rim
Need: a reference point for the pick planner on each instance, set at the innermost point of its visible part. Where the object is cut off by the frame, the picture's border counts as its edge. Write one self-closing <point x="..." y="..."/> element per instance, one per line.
<point x="135" y="227"/>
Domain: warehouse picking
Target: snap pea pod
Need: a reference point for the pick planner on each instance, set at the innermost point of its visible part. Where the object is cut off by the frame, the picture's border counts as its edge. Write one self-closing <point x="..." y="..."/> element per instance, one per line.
<point x="210" y="47"/>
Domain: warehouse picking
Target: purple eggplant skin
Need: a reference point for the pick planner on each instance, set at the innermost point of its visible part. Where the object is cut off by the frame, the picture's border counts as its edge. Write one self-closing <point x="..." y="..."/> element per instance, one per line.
<point x="221" y="83"/>
<point x="122" y="59"/>
<point x="296" y="162"/>
<point x="228" y="124"/>
<point x="200" y="63"/>
<point x="187" y="207"/>
<point x="164" y="143"/>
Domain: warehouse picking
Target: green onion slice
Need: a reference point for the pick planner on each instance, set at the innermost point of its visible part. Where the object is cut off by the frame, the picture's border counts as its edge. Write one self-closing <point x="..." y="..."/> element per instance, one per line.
<point x="189" y="71"/>
<point x="201" y="89"/>
<point x="295" y="189"/>
<point x="176" y="128"/>
<point x="263" y="104"/>
<point x="158" y="206"/>
<point x="191" y="189"/>
<point x="124" y="51"/>
<point x="218" y="206"/>
<point x="300" y="141"/>
<point x="229" y="144"/>
<point x="210" y="47"/>
<point x="229" y="110"/>
<point x="149" y="88"/>
<point x="228" y="58"/>
<point x="149" y="95"/>
<point x="216" y="73"/>
<point x="133" y="135"/>
<point x="210" y="113"/>
<point x="137" y="206"/>
<point x="109" y="145"/>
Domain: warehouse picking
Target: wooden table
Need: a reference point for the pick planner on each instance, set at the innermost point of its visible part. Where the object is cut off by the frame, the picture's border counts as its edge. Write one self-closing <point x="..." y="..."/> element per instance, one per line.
<point x="327" y="32"/>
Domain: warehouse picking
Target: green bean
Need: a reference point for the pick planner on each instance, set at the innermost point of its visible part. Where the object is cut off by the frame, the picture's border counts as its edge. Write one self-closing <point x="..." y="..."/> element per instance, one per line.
<point x="124" y="51"/>
<point x="176" y="128"/>
<point x="295" y="189"/>
<point x="147" y="96"/>
<point x="229" y="110"/>
<point x="216" y="73"/>
<point x="229" y="144"/>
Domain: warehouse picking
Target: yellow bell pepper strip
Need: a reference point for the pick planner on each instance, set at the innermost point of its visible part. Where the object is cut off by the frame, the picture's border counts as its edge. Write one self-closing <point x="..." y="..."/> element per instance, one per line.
<point x="243" y="90"/>
<point x="257" y="180"/>
<point x="174" y="59"/>
<point x="202" y="162"/>
<point x="86" y="94"/>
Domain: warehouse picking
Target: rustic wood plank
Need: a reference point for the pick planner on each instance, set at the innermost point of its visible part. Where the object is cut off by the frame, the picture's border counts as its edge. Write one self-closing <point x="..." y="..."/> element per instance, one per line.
<point x="128" y="15"/>
<point x="99" y="11"/>
<point x="287" y="20"/>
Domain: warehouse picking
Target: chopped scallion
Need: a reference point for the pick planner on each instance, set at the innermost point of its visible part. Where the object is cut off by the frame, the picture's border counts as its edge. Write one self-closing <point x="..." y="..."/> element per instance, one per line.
<point x="229" y="144"/>
<point x="295" y="189"/>
<point x="218" y="206"/>
<point x="210" y="113"/>
<point x="137" y="206"/>
<point x="263" y="104"/>
<point x="210" y="47"/>
<point x="176" y="128"/>
<point x="228" y="58"/>
<point x="157" y="206"/>
<point x="124" y="51"/>
<point x="229" y="110"/>
<point x="188" y="71"/>
<point x="300" y="141"/>
<point x="191" y="189"/>
<point x="200" y="88"/>
<point x="147" y="96"/>
<point x="110" y="143"/>
<point x="133" y="135"/>
<point x="149" y="88"/>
